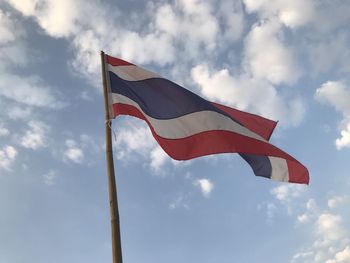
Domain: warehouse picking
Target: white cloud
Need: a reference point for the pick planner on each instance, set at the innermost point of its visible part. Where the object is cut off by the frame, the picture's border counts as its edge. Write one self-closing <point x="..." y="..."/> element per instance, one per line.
<point x="247" y="93"/>
<point x="344" y="140"/>
<point x="191" y="20"/>
<point x="140" y="48"/>
<point x="16" y="112"/>
<point x="87" y="60"/>
<point x="304" y="218"/>
<point x="330" y="234"/>
<point x="342" y="256"/>
<point x="292" y="14"/>
<point x="35" y="137"/>
<point x="49" y="178"/>
<point x="267" y="57"/>
<point x="27" y="90"/>
<point x="179" y="201"/>
<point x="287" y="192"/>
<point x="3" y="131"/>
<point x="158" y="158"/>
<point x="84" y="149"/>
<point x="134" y="138"/>
<point x="337" y="201"/>
<point x="6" y="28"/>
<point x="329" y="226"/>
<point x="267" y="62"/>
<point x="336" y="94"/>
<point x="205" y="185"/>
<point x="57" y="18"/>
<point x="189" y="27"/>
<point x="312" y="212"/>
<point x="73" y="152"/>
<point x="7" y="157"/>
<point x="232" y="20"/>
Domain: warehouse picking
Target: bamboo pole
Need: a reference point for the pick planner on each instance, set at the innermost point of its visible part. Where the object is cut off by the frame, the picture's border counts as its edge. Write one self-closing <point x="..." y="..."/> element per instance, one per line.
<point x="112" y="190"/>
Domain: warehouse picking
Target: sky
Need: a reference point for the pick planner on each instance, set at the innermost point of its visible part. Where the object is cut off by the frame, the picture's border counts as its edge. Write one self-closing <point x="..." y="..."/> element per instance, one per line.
<point x="285" y="60"/>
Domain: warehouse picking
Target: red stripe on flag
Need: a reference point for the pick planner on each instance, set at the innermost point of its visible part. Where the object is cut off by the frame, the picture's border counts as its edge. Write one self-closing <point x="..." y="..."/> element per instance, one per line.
<point x="117" y="61"/>
<point x="260" y="125"/>
<point x="217" y="141"/>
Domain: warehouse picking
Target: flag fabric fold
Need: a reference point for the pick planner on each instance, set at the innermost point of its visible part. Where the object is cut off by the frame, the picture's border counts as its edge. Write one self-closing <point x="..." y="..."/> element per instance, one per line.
<point x="187" y="126"/>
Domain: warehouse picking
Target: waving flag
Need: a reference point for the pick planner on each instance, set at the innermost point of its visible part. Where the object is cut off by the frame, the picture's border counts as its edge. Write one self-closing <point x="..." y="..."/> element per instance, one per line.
<point x="187" y="126"/>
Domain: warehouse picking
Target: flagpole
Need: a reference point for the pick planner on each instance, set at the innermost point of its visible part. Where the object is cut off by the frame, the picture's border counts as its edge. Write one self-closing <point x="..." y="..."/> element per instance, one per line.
<point x="112" y="190"/>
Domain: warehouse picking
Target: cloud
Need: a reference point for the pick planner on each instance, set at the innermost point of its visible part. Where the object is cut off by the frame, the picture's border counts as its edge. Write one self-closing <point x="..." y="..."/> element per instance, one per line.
<point x="337" y="201"/>
<point x="285" y="196"/>
<point x="337" y="95"/>
<point x="158" y="158"/>
<point x="247" y="93"/>
<point x="292" y="14"/>
<point x="3" y="131"/>
<point x="16" y="112"/>
<point x="271" y="210"/>
<point x="82" y="150"/>
<point x="27" y="90"/>
<point x="344" y="140"/>
<point x="35" y="137"/>
<point x="329" y="226"/>
<point x="49" y="178"/>
<point x="73" y="152"/>
<point x="311" y="213"/>
<point x="135" y="141"/>
<point x="179" y="201"/>
<point x="191" y="20"/>
<point x="267" y="57"/>
<point x="140" y="48"/>
<point x="205" y="185"/>
<point x="330" y="235"/>
<point x="57" y="18"/>
<point x="85" y="150"/>
<point x="6" y="28"/>
<point x="232" y="18"/>
<point x="267" y="62"/>
<point x="192" y="28"/>
<point x="286" y="192"/>
<point x="7" y="157"/>
<point x="341" y="256"/>
<point x="134" y="138"/>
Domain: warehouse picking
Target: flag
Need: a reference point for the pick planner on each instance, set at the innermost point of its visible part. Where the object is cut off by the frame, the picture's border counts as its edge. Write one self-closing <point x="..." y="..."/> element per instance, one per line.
<point x="187" y="126"/>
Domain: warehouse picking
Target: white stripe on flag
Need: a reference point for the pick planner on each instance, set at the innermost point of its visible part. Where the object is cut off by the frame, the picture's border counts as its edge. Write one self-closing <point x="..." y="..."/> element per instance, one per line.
<point x="190" y="124"/>
<point x="132" y="72"/>
<point x="279" y="169"/>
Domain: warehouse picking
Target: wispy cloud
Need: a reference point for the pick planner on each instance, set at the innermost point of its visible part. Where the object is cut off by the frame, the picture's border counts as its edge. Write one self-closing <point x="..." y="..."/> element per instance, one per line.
<point x="49" y="178"/>
<point x="84" y="149"/>
<point x="205" y="185"/>
<point x="179" y="202"/>
<point x="337" y="94"/>
<point x="7" y="157"/>
<point x="73" y="152"/>
<point x="36" y="136"/>
<point x="330" y="236"/>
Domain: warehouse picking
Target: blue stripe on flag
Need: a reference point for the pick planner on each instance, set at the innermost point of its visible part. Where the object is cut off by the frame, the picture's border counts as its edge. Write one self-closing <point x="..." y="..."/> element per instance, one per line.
<point x="160" y="98"/>
<point x="260" y="164"/>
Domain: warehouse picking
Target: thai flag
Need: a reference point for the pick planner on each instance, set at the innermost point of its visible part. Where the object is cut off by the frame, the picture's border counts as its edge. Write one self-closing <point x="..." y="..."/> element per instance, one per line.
<point x="187" y="126"/>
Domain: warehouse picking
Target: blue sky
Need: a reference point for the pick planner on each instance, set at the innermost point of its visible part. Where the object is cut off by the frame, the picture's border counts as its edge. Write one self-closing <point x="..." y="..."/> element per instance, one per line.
<point x="285" y="60"/>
